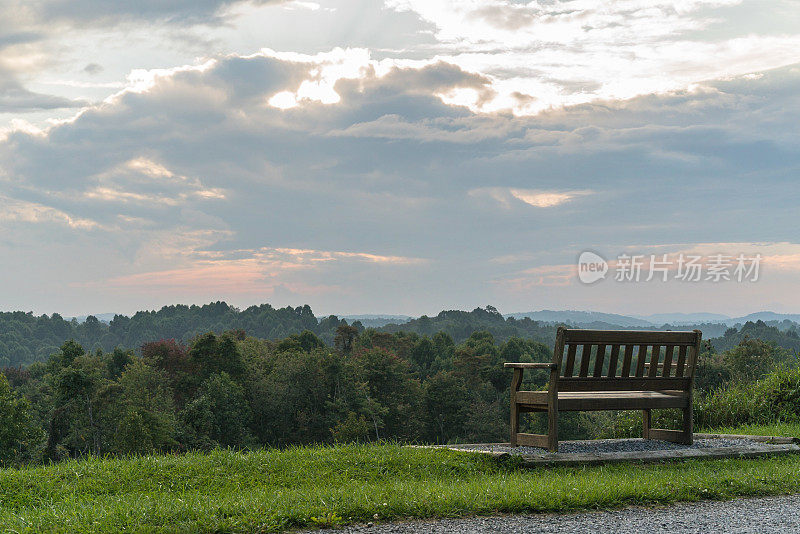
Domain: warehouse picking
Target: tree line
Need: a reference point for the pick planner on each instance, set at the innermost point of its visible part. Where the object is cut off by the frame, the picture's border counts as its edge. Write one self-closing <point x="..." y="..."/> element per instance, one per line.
<point x="235" y="390"/>
<point x="26" y="338"/>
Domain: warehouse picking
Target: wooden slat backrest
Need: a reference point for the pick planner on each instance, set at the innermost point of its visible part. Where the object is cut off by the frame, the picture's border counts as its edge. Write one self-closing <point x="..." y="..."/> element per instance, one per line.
<point x="681" y="361"/>
<point x="570" y="363"/>
<point x="640" y="359"/>
<point x="586" y="355"/>
<point x="612" y="363"/>
<point x="598" y="360"/>
<point x="622" y="359"/>
<point x="667" y="367"/>
<point x="626" y="362"/>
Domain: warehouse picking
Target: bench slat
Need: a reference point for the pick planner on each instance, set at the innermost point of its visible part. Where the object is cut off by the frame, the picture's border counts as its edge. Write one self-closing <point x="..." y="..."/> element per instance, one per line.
<point x="623" y="384"/>
<point x="532" y="397"/>
<point x="604" y="400"/>
<point x="636" y="337"/>
<point x="640" y="361"/>
<point x="570" y="365"/>
<point x="534" y="365"/>
<point x="598" y="360"/>
<point x="681" y="361"/>
<point x="651" y="400"/>
<point x="654" y="356"/>
<point x="626" y="362"/>
<point x="667" y="367"/>
<point x="612" y="362"/>
<point x="585" y="355"/>
<point x="532" y="440"/>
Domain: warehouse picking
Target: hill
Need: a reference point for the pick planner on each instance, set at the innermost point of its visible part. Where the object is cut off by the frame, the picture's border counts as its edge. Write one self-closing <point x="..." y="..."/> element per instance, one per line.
<point x="26" y="338"/>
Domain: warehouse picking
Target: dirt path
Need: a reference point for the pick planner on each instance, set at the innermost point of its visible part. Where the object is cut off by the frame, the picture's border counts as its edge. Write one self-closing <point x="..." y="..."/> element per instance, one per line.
<point x="769" y="514"/>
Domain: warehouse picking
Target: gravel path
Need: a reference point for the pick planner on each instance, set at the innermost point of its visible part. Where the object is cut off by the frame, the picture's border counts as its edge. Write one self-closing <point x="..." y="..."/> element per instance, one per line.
<point x="612" y="445"/>
<point x="770" y="514"/>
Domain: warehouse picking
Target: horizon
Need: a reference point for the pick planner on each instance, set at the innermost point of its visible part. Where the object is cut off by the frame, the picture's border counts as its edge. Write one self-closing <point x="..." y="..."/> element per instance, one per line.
<point x="82" y="316"/>
<point x="406" y="155"/>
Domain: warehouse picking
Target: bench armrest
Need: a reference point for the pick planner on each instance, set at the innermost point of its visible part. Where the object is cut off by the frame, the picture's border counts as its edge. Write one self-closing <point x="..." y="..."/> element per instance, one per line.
<point x="537" y="365"/>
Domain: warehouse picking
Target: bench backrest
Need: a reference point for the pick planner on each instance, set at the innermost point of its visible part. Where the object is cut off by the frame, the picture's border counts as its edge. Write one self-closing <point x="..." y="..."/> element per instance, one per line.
<point x="625" y="360"/>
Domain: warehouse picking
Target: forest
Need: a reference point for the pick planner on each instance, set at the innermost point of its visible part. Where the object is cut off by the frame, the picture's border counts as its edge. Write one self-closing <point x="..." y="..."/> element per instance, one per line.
<point x="440" y="382"/>
<point x="26" y="338"/>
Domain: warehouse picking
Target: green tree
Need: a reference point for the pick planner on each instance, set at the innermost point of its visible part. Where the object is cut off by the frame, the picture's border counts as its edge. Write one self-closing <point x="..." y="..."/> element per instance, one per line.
<point x="345" y="337"/>
<point x="393" y="396"/>
<point x="70" y="350"/>
<point x="140" y="418"/>
<point x="751" y="359"/>
<point x="446" y="402"/>
<point x="219" y="414"/>
<point x="217" y="354"/>
<point x="118" y="361"/>
<point x="20" y="438"/>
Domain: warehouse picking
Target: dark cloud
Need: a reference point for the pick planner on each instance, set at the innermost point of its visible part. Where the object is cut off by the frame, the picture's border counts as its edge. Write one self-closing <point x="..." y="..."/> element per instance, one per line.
<point x="13" y="38"/>
<point x="93" y="68"/>
<point x="15" y="98"/>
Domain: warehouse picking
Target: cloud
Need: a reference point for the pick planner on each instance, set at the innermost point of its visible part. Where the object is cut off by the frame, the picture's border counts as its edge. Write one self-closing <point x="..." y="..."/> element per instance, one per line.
<point x="144" y="180"/>
<point x="14" y="98"/>
<point x="541" y="55"/>
<point x="546" y="199"/>
<point x="20" y="211"/>
<point x="531" y="197"/>
<point x="250" y="272"/>
<point x="543" y="275"/>
<point x="88" y="12"/>
<point x="390" y="193"/>
<point x="93" y="68"/>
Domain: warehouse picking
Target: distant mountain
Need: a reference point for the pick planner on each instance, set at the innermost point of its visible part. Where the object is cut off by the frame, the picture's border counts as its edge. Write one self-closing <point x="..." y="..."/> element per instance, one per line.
<point x="376" y="320"/>
<point x="684" y="318"/>
<point x="765" y="316"/>
<point x="102" y="317"/>
<point x="582" y="318"/>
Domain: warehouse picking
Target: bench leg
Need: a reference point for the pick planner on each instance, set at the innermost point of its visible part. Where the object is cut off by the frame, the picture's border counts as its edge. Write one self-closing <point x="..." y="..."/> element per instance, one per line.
<point x="552" y="429"/>
<point x="683" y="436"/>
<point x="514" y="423"/>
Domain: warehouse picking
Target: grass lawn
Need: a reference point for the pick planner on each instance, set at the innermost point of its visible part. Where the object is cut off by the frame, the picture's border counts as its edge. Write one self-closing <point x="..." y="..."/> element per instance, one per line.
<point x="776" y="429"/>
<point x="274" y="490"/>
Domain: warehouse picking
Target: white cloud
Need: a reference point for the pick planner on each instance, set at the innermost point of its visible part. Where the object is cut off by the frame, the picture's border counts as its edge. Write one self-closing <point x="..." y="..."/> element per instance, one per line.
<point x="541" y="55"/>
<point x="21" y="211"/>
<point x="532" y="197"/>
<point x="546" y="199"/>
<point x="143" y="180"/>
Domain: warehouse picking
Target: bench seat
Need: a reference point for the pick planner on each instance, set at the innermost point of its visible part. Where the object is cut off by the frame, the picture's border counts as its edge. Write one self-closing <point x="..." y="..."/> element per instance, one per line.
<point x="535" y="401"/>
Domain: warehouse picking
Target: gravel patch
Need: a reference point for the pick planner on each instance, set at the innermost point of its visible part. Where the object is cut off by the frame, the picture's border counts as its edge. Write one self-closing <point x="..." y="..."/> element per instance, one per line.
<point x="745" y="516"/>
<point x="610" y="445"/>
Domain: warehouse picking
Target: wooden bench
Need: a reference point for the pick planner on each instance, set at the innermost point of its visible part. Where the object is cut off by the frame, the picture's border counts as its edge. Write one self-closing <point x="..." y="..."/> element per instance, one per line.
<point x="611" y="370"/>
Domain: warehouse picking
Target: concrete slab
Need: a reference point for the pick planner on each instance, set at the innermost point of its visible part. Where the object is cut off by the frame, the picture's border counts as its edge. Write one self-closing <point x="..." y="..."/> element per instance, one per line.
<point x="745" y="447"/>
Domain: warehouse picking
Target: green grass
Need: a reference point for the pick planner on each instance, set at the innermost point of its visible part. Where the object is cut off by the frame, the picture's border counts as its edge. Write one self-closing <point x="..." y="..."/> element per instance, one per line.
<point x="275" y="490"/>
<point x="775" y="429"/>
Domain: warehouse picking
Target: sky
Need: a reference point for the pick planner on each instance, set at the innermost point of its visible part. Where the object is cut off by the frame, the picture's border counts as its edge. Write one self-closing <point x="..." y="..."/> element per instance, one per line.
<point x="402" y="157"/>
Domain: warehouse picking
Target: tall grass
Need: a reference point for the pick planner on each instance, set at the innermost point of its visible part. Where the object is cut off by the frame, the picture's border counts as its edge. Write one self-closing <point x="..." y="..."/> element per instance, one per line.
<point x="774" y="398"/>
<point x="770" y="402"/>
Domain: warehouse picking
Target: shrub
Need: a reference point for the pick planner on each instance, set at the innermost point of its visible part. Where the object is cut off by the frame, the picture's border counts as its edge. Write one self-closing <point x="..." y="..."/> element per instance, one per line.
<point x="776" y="397"/>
